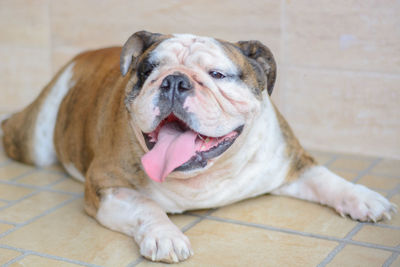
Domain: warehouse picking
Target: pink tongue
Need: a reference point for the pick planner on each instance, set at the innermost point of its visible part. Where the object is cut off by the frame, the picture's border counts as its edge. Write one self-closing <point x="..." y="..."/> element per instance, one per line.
<point x="172" y="149"/>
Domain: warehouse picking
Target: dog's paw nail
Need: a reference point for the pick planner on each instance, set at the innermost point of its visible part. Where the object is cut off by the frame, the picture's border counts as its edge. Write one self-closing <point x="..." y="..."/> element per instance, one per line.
<point x="363" y="204"/>
<point x="167" y="247"/>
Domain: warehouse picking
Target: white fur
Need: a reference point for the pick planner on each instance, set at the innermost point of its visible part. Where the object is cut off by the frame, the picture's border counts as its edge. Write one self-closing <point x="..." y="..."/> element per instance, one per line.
<point x="256" y="166"/>
<point x="73" y="171"/>
<point x="127" y="211"/>
<point x="318" y="184"/>
<point x="43" y="147"/>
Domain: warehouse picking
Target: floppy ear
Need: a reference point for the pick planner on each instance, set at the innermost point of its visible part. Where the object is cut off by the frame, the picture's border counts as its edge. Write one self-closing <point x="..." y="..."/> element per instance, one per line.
<point x="135" y="46"/>
<point x="263" y="57"/>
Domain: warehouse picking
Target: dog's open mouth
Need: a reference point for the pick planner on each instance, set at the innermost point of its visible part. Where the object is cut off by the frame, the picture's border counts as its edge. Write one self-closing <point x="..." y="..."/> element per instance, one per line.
<point x="174" y="146"/>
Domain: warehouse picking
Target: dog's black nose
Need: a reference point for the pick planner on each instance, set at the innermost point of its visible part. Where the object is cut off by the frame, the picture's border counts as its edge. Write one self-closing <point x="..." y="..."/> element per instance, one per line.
<point x="176" y="85"/>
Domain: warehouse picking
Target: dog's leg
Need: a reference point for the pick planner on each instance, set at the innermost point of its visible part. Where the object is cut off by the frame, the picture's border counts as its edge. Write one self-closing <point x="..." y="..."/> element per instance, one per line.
<point x="320" y="185"/>
<point x="127" y="211"/>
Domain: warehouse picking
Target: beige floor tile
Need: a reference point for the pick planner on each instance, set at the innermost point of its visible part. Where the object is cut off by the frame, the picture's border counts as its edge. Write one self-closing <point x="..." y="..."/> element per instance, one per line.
<point x="68" y="232"/>
<point x="69" y="185"/>
<point x="388" y="167"/>
<point x="55" y="167"/>
<point x="224" y="244"/>
<point x="321" y="157"/>
<point x="348" y="175"/>
<point x="7" y="255"/>
<point x="31" y="207"/>
<point x="351" y="163"/>
<point x="378" y="235"/>
<point x="395" y="217"/>
<point x="360" y="256"/>
<point x="11" y="192"/>
<point x="40" y="178"/>
<point x="396" y="262"/>
<point x="32" y="260"/>
<point x="379" y="182"/>
<point x="5" y="227"/>
<point x="288" y="213"/>
<point x="14" y="169"/>
<point x="3" y="203"/>
<point x="181" y="220"/>
<point x="3" y="157"/>
<point x="200" y="212"/>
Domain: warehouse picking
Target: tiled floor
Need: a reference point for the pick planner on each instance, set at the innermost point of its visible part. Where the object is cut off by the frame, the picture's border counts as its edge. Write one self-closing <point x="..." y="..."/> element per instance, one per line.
<point x="42" y="223"/>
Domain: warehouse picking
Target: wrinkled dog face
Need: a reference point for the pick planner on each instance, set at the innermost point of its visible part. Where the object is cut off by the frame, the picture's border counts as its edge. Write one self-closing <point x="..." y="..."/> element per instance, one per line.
<point x="193" y="92"/>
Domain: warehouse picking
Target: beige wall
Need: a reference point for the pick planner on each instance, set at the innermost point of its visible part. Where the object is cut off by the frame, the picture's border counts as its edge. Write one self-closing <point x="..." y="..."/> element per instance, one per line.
<point x="338" y="61"/>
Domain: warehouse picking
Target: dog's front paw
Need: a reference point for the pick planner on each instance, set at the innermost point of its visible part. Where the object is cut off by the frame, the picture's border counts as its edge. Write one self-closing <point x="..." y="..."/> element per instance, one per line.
<point x="166" y="245"/>
<point x="363" y="204"/>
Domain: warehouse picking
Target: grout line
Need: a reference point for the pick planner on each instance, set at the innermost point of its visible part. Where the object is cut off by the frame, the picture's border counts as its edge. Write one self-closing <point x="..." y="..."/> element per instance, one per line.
<point x="382" y="225"/>
<point x="20" y="257"/>
<point x="331" y="160"/>
<point x="332" y="254"/>
<point x="305" y="234"/>
<point x="393" y="192"/>
<point x="391" y="259"/>
<point x="42" y="188"/>
<point x="47" y="212"/>
<point x="349" y="236"/>
<point x="12" y="203"/>
<point x="201" y="218"/>
<point x="394" y="176"/>
<point x="22" y="175"/>
<point x="7" y="222"/>
<point x="341" y="246"/>
<point x="136" y="262"/>
<point x="27" y="252"/>
<point x="366" y="170"/>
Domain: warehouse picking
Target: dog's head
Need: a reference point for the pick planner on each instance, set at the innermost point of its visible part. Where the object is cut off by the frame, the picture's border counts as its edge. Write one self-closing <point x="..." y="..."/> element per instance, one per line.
<point x="190" y="98"/>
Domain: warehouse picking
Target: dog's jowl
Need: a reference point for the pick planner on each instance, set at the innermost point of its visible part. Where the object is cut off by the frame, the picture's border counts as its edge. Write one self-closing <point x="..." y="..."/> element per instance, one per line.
<point x="169" y="123"/>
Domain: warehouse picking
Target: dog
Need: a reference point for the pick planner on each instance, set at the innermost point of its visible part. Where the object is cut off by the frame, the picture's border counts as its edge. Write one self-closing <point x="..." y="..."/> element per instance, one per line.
<point x="170" y="123"/>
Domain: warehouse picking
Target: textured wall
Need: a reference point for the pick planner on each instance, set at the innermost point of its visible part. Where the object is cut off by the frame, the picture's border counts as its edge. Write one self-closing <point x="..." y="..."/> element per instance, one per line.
<point x="338" y="61"/>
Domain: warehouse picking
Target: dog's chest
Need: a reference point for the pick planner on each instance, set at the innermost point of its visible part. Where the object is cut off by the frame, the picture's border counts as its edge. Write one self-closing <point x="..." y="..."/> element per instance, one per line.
<point x="212" y="191"/>
<point x="258" y="168"/>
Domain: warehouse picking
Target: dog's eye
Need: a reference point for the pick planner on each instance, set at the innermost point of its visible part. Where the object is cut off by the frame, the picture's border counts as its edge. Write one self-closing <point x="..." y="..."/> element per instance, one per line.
<point x="145" y="70"/>
<point x="146" y="73"/>
<point x="216" y="74"/>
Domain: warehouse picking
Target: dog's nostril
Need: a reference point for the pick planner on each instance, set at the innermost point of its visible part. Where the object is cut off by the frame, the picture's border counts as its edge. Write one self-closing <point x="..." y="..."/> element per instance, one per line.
<point x="178" y="83"/>
<point x="184" y="86"/>
<point x="165" y="85"/>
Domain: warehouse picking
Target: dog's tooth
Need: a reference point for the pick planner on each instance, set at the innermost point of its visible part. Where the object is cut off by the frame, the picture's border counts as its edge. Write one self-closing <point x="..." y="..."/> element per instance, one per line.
<point x="207" y="140"/>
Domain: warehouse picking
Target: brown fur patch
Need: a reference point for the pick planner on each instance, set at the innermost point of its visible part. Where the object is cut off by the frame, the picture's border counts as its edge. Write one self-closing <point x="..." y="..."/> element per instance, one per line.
<point x="300" y="159"/>
<point x="93" y="131"/>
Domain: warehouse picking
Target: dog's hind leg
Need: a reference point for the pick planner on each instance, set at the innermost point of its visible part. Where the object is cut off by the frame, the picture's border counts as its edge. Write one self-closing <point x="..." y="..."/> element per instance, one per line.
<point x="28" y="135"/>
<point x="318" y="184"/>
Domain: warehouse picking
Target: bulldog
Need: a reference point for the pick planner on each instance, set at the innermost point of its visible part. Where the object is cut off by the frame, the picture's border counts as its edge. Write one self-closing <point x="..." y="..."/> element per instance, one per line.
<point x="170" y="123"/>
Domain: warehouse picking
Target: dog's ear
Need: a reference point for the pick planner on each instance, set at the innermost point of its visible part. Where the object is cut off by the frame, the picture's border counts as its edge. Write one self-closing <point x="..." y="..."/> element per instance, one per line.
<point x="135" y="46"/>
<point x="261" y="54"/>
